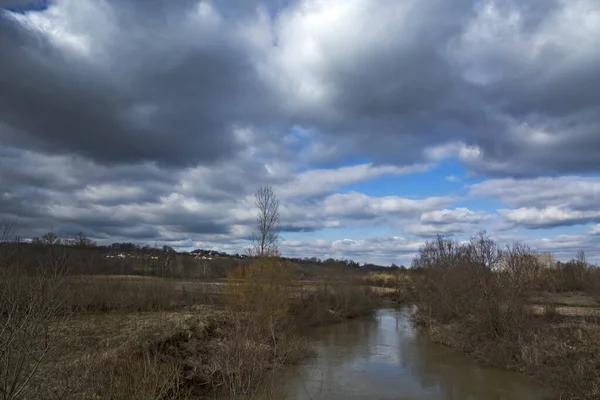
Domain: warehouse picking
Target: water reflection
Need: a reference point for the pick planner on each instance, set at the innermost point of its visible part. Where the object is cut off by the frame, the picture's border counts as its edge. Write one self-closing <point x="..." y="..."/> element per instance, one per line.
<point x="384" y="357"/>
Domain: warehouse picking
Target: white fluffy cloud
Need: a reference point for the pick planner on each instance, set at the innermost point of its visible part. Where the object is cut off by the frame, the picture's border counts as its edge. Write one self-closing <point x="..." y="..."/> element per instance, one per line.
<point x="430" y="231"/>
<point x="320" y="181"/>
<point x="461" y="214"/>
<point x="578" y="192"/>
<point x="545" y="202"/>
<point x="549" y="217"/>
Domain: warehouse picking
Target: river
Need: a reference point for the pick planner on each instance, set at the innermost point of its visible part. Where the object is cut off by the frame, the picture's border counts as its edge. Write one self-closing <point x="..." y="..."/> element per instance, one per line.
<point x="385" y="357"/>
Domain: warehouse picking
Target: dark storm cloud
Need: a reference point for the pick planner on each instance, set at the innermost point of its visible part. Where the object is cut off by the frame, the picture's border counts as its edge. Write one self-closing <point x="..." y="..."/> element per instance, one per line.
<point x="141" y="232"/>
<point x="504" y="77"/>
<point x="69" y="195"/>
<point x="157" y="118"/>
<point x="22" y="3"/>
<point x="176" y="106"/>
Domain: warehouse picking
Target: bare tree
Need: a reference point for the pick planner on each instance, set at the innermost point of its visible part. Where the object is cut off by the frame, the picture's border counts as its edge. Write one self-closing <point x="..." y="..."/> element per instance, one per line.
<point x="484" y="251"/>
<point x="265" y="242"/>
<point x="6" y="232"/>
<point x="50" y="239"/>
<point x="81" y="241"/>
<point x="581" y="259"/>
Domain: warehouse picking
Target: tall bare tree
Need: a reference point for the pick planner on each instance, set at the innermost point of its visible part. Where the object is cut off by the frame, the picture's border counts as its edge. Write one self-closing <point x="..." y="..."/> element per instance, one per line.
<point x="265" y="242"/>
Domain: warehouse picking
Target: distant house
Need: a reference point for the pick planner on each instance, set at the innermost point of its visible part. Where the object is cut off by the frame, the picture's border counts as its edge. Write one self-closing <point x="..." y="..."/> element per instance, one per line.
<point x="200" y="254"/>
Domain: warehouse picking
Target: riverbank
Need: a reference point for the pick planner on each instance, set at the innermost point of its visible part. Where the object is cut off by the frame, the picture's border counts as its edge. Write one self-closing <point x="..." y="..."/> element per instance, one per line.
<point x="562" y="355"/>
<point x="155" y="338"/>
<point x="520" y="318"/>
<point x="179" y="354"/>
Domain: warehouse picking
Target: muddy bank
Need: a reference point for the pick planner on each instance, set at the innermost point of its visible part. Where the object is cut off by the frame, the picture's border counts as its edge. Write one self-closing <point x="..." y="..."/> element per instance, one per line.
<point x="558" y="352"/>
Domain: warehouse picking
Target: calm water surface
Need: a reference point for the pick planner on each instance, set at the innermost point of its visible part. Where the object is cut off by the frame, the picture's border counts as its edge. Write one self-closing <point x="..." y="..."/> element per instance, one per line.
<point x="384" y="357"/>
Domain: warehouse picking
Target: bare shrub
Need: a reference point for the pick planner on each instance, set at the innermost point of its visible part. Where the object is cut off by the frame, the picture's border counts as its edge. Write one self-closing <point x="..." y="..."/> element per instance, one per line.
<point x="235" y="364"/>
<point x="443" y="285"/>
<point x="265" y="282"/>
<point x="482" y="288"/>
<point x="572" y="276"/>
<point x="131" y="375"/>
<point x="326" y="303"/>
<point x="476" y="297"/>
<point x="29" y="305"/>
<point x="593" y="283"/>
<point x="260" y="332"/>
<point x="137" y="377"/>
<point x="550" y="313"/>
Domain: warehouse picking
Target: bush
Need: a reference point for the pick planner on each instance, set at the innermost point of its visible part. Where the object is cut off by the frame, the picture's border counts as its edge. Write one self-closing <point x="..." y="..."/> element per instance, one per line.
<point x="572" y="276"/>
<point x="29" y="306"/>
<point x="593" y="283"/>
<point x="261" y="331"/>
<point x="476" y="297"/>
<point x="477" y="284"/>
<point x="327" y="303"/>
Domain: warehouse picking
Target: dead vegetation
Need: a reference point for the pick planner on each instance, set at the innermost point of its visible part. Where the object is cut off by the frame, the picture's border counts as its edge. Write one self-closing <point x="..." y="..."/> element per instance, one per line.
<point x="68" y="335"/>
<point x="481" y="298"/>
<point x="76" y="326"/>
<point x="106" y="293"/>
<point x="29" y="306"/>
<point x="117" y="338"/>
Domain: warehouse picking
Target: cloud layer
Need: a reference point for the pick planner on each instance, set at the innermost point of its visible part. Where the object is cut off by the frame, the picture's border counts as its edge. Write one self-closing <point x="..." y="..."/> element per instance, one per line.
<point x="157" y="121"/>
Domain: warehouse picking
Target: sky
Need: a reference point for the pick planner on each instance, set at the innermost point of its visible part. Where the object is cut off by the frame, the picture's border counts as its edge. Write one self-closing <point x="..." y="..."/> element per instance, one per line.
<point x="379" y="124"/>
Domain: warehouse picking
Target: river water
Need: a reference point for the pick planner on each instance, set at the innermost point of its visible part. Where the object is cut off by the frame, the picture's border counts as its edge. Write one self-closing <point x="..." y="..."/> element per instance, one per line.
<point x="385" y="357"/>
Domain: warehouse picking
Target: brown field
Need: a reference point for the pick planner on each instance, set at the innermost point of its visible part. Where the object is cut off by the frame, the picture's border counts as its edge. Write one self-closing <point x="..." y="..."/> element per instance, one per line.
<point x="148" y="337"/>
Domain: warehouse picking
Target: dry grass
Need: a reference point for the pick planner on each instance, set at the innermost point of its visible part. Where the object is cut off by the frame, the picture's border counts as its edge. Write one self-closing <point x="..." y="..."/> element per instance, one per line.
<point x="106" y="356"/>
<point x="388" y="280"/>
<point x="572" y="305"/>
<point x="152" y="338"/>
<point x="573" y="299"/>
<point x="164" y="355"/>
<point x="566" y="311"/>
<point x="134" y="293"/>
<point x="135" y="337"/>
